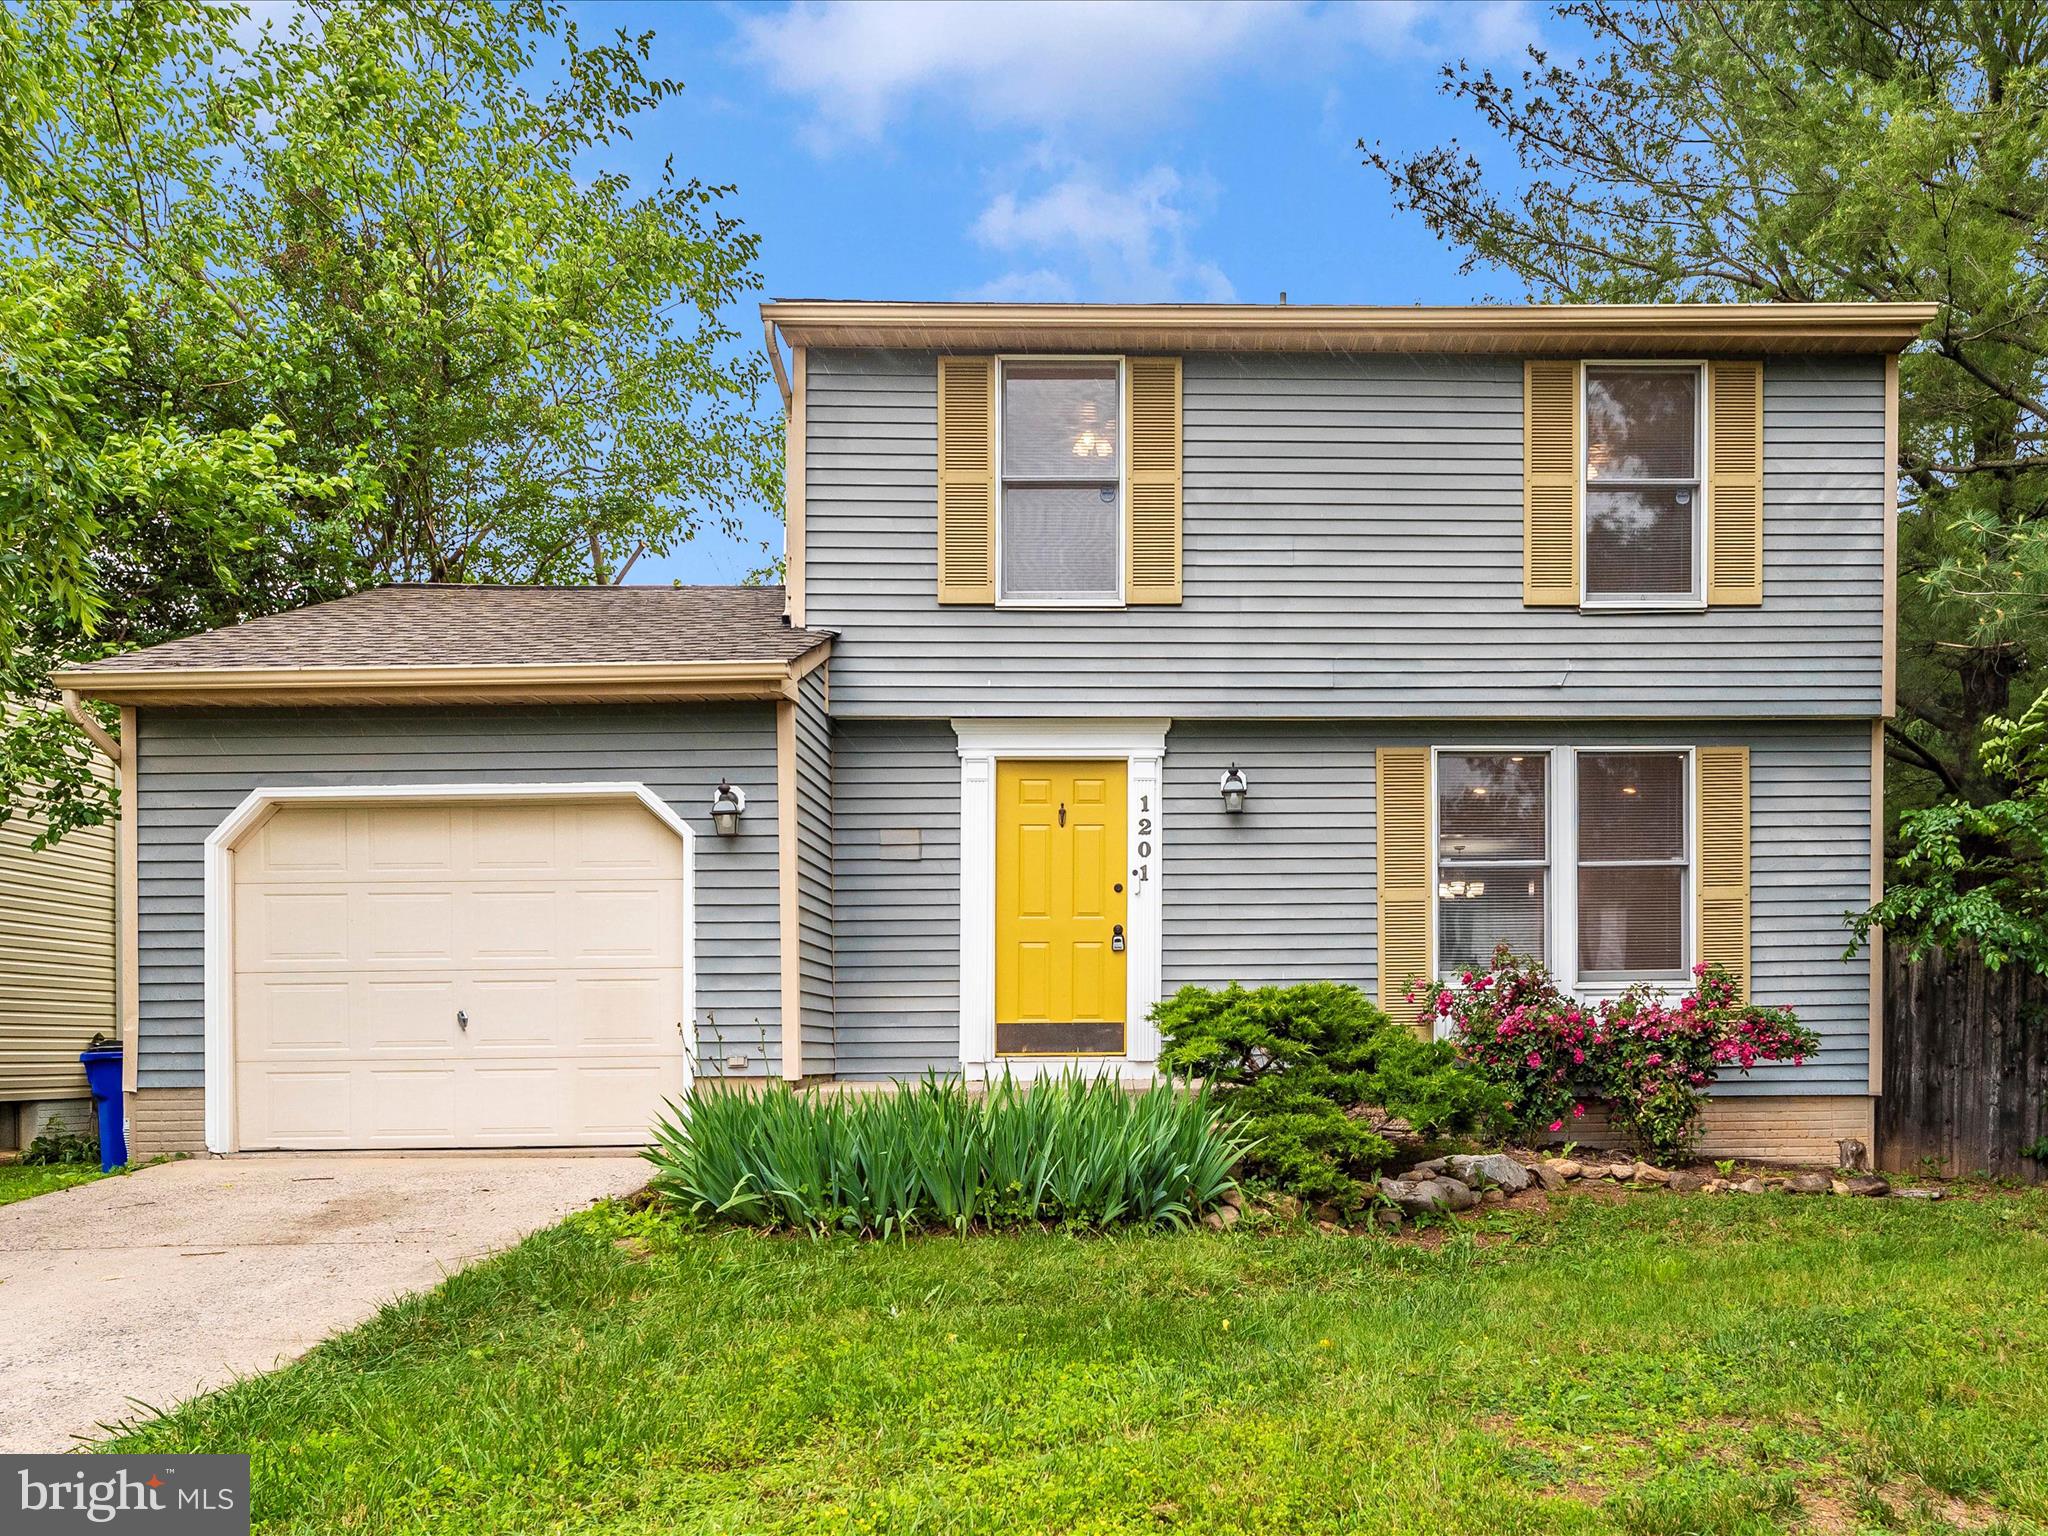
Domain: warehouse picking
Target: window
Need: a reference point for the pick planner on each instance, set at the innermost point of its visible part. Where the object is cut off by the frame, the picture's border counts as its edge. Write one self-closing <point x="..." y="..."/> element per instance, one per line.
<point x="1642" y="483"/>
<point x="1633" y="876"/>
<point x="1062" y="482"/>
<point x="1493" y="856"/>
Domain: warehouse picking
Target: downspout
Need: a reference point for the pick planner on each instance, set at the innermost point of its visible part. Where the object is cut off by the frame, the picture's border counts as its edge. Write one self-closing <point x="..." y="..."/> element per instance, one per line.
<point x="95" y="732"/>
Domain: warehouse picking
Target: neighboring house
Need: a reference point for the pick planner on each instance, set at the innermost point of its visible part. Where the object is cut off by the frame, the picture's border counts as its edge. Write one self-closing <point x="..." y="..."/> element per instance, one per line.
<point x="1565" y="627"/>
<point x="56" y="972"/>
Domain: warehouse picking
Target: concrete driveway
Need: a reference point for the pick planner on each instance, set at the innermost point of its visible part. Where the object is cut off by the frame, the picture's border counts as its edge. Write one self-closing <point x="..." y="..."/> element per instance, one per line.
<point x="134" y="1293"/>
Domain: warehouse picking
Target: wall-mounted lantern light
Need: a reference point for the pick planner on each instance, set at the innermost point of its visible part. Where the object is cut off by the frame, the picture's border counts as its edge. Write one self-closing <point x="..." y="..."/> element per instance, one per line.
<point x="727" y="806"/>
<point x="1234" y="790"/>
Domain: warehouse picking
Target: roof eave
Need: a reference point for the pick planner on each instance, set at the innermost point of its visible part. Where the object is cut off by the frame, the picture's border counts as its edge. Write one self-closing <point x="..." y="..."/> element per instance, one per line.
<point x="581" y="683"/>
<point x="1520" y="330"/>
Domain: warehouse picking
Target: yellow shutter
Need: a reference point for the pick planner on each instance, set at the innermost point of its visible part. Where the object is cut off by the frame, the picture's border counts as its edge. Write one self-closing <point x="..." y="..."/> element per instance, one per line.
<point x="1550" y="483"/>
<point x="1152" y="531"/>
<point x="1735" y="484"/>
<point x="1724" y="860"/>
<point x="967" y="480"/>
<point x="1401" y="775"/>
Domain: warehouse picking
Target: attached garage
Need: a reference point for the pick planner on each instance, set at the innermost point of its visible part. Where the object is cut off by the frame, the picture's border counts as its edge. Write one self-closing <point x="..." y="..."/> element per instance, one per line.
<point x="453" y="971"/>
<point x="444" y="867"/>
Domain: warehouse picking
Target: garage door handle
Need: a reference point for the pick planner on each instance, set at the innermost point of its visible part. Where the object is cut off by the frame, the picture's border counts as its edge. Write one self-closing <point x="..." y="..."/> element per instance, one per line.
<point x="462" y="1017"/>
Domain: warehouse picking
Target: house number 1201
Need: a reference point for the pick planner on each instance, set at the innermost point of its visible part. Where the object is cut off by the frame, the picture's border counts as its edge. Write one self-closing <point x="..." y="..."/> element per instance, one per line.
<point x="1144" y="836"/>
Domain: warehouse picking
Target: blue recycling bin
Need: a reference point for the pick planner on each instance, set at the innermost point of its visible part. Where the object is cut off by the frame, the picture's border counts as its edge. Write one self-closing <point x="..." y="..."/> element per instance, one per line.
<point x="103" y="1077"/>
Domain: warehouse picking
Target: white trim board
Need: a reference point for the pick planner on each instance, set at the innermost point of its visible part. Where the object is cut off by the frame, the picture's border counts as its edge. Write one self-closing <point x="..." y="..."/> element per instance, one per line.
<point x="1142" y="746"/>
<point x="256" y="806"/>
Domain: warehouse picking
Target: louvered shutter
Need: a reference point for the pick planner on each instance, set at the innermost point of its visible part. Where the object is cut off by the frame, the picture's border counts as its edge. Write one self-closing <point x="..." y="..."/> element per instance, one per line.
<point x="1550" y="483"/>
<point x="1724" y="860"/>
<point x="1735" y="484"/>
<point x="967" y="480"/>
<point x="1152" y="520"/>
<point x="1401" y="775"/>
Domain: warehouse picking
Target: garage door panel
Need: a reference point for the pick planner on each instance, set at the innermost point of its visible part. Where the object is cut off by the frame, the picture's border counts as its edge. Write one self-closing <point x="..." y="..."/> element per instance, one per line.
<point x="408" y="840"/>
<point x="609" y="1011"/>
<point x="291" y="1018"/>
<point x="501" y="925"/>
<point x="359" y="934"/>
<point x="402" y="924"/>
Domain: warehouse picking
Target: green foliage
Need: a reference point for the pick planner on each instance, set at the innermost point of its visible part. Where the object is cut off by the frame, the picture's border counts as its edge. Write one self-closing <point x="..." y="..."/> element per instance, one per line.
<point x="2038" y="1151"/>
<point x="1810" y="150"/>
<point x="291" y="309"/>
<point x="1315" y="1072"/>
<point x="1971" y="874"/>
<point x="1070" y="1149"/>
<point x="57" y="1147"/>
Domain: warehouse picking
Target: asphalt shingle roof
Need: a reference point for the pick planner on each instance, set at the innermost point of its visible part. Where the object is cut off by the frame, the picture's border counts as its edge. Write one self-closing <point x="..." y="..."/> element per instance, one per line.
<point x="428" y="625"/>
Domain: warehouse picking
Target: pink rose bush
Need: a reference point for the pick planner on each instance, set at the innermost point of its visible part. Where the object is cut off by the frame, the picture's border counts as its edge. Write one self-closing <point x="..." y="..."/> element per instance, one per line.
<point x="1647" y="1059"/>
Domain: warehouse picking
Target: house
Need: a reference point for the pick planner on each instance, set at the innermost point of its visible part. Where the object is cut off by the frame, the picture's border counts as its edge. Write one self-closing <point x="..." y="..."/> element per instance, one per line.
<point x="56" y="973"/>
<point x="1122" y="647"/>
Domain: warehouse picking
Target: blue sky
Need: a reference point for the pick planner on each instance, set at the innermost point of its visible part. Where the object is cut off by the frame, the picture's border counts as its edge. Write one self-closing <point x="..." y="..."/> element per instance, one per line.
<point x="1064" y="151"/>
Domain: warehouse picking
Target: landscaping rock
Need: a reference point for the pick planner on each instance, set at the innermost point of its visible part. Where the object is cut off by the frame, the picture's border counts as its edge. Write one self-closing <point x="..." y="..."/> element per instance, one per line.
<point x="1234" y="1198"/>
<point x="1621" y="1173"/>
<point x="1494" y="1196"/>
<point x="1750" y="1186"/>
<point x="1434" y="1168"/>
<point x="1566" y="1166"/>
<point x="1387" y="1216"/>
<point x="1287" y="1208"/>
<point x="1495" y="1168"/>
<point x="1684" y="1183"/>
<point x="1867" y="1185"/>
<point x="1416" y="1196"/>
<point x="1222" y="1218"/>
<point x="1549" y="1177"/>
<point x="1808" y="1184"/>
<point x="1645" y="1173"/>
<point x="1918" y="1194"/>
<point x="1714" y="1186"/>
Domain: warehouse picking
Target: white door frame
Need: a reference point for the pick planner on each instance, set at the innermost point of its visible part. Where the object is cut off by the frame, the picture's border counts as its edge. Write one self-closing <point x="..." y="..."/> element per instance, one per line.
<point x="222" y="1134"/>
<point x="1141" y="744"/>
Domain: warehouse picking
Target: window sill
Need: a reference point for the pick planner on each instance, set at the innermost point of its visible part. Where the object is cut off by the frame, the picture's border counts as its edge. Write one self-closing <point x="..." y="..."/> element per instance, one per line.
<point x="1085" y="604"/>
<point x="1645" y="605"/>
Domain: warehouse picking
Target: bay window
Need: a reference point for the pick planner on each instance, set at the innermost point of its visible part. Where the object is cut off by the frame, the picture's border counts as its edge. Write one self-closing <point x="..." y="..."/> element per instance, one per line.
<point x="1061" y="489"/>
<point x="1642" y="483"/>
<point x="1619" y="839"/>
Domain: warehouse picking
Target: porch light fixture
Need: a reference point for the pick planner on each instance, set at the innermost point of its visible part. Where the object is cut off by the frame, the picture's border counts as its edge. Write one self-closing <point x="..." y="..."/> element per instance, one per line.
<point x="1234" y="790"/>
<point x="727" y="806"/>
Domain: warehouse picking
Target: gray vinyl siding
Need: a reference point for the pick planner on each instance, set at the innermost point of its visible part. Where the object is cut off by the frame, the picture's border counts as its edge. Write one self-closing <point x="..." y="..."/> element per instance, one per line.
<point x="814" y="873"/>
<point x="1285" y="891"/>
<point x="896" y="954"/>
<point x="196" y="766"/>
<point x="1352" y="549"/>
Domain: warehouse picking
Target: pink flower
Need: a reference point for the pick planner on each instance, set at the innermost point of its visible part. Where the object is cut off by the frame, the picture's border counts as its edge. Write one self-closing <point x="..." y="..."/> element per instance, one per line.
<point x="1578" y="1111"/>
<point x="1557" y="1125"/>
<point x="1535" y="1060"/>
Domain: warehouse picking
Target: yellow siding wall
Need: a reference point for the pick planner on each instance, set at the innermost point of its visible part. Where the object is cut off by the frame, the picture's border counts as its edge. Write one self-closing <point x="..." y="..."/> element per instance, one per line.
<point x="56" y="956"/>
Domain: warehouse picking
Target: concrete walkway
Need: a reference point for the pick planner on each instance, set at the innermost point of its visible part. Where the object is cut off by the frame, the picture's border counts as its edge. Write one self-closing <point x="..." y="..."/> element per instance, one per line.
<point x="134" y="1293"/>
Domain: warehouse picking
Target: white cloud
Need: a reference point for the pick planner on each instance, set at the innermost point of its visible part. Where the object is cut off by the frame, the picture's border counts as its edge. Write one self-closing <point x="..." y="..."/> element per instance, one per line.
<point x="1058" y="65"/>
<point x="1091" y="238"/>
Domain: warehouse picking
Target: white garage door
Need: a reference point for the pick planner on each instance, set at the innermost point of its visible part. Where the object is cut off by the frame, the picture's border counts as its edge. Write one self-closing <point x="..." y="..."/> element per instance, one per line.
<point x="457" y="975"/>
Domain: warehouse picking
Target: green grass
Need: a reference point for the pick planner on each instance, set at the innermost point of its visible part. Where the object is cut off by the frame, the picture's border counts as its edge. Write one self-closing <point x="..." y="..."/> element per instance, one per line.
<point x="25" y="1183"/>
<point x="1673" y="1364"/>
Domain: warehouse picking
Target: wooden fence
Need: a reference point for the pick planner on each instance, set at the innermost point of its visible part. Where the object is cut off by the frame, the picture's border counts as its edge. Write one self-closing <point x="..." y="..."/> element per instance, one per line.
<point x="1965" y="1067"/>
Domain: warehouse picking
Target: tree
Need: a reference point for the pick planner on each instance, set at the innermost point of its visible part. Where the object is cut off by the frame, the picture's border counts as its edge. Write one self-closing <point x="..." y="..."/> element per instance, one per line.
<point x="1811" y="150"/>
<point x="343" y="300"/>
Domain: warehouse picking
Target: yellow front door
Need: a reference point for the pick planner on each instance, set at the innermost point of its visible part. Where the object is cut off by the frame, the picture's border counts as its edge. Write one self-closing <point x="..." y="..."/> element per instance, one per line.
<point x="1060" y="909"/>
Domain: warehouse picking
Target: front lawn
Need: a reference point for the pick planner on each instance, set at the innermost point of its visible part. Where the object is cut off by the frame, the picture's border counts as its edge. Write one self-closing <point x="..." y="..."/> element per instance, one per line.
<point x="22" y="1182"/>
<point x="1672" y="1364"/>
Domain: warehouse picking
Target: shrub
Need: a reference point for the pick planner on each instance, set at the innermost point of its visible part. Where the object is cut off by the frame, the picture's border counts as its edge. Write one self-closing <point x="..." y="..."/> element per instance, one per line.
<point x="59" y="1147"/>
<point x="1315" y="1073"/>
<point x="1648" y="1061"/>
<point x="1071" y="1149"/>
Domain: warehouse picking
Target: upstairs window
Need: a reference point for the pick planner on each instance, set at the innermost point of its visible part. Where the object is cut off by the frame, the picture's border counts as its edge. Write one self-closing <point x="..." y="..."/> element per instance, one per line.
<point x="1642" y="490"/>
<point x="1062" y="482"/>
<point x="1492" y="866"/>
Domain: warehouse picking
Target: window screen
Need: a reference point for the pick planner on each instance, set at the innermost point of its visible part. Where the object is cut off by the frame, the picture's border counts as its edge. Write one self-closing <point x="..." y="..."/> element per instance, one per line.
<point x="1062" y="468"/>
<point x="1493" y="850"/>
<point x="1642" y="481"/>
<point x="1632" y="865"/>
